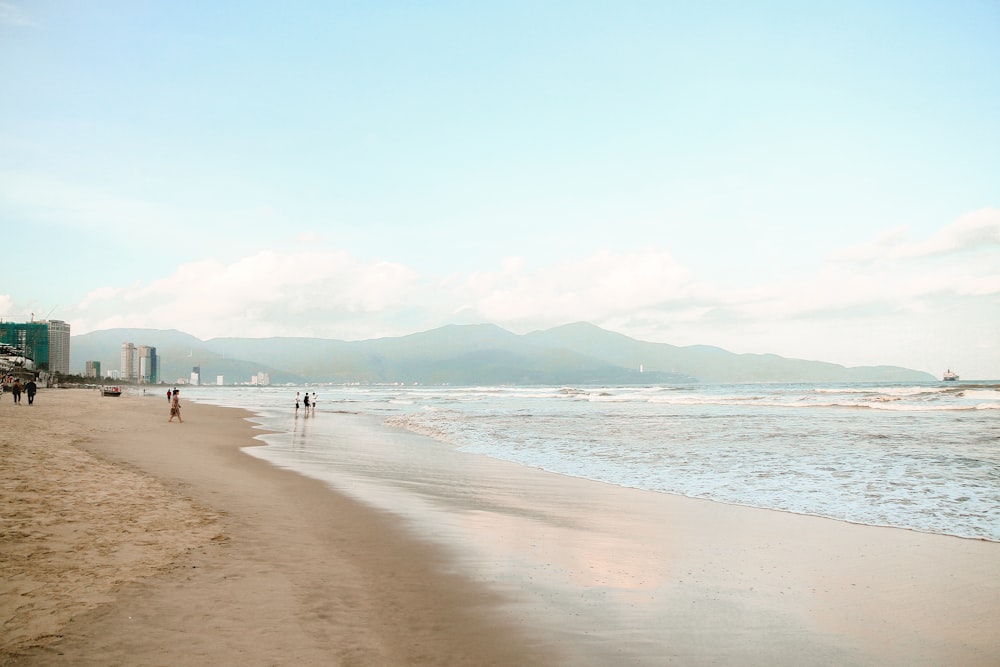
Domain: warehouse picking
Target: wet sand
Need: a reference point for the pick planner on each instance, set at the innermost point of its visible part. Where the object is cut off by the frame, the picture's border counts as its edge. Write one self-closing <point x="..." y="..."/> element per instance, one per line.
<point x="130" y="541"/>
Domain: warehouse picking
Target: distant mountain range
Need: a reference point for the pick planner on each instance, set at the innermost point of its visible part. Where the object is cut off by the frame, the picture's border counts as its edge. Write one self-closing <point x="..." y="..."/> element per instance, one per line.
<point x="485" y="354"/>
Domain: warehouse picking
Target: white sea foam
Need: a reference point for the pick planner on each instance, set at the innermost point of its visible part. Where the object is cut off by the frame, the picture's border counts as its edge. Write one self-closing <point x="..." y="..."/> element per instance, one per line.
<point x="918" y="457"/>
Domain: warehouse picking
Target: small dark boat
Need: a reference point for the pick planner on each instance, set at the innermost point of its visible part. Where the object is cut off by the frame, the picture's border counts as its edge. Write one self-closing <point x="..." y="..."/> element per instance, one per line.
<point x="112" y="391"/>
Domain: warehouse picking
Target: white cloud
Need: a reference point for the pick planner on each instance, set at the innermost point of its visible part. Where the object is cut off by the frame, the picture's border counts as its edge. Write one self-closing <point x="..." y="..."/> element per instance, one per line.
<point x="881" y="246"/>
<point x="973" y="231"/>
<point x="649" y="288"/>
<point x="979" y="230"/>
<point x="857" y="312"/>
<point x="591" y="288"/>
<point x="319" y="292"/>
<point x="265" y="294"/>
<point x="12" y="14"/>
<point x="851" y="312"/>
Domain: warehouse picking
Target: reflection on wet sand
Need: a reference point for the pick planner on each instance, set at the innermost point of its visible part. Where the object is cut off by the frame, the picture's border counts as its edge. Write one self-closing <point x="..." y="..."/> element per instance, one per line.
<point x="640" y="576"/>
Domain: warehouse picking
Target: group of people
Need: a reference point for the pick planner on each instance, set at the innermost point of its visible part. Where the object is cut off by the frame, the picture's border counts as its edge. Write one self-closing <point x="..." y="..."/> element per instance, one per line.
<point x="305" y="401"/>
<point x="174" y="399"/>
<point x="16" y="388"/>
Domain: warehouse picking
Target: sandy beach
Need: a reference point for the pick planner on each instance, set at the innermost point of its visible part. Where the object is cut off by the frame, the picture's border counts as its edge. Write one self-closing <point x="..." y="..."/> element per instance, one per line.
<point x="127" y="540"/>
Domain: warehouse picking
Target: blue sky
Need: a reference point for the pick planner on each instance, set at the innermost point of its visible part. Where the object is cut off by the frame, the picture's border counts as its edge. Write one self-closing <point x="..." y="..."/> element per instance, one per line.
<point x="816" y="180"/>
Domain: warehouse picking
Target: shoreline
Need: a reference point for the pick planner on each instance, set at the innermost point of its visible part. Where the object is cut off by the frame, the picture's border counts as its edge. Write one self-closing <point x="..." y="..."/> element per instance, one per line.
<point x="260" y="419"/>
<point x="595" y="562"/>
<point x="497" y="564"/>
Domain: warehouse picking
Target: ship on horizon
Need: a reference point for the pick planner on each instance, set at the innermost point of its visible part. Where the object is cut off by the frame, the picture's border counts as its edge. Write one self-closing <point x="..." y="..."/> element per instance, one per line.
<point x="949" y="376"/>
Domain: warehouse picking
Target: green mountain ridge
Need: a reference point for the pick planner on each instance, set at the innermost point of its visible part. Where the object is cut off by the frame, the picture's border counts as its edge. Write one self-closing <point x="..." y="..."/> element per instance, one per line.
<point x="579" y="353"/>
<point x="712" y="364"/>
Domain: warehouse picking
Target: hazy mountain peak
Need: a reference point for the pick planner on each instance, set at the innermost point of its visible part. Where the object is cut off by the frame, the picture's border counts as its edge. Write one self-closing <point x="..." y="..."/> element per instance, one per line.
<point x="579" y="352"/>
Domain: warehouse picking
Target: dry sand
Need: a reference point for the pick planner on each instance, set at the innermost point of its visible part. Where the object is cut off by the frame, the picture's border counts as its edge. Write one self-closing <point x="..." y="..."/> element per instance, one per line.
<point x="127" y="540"/>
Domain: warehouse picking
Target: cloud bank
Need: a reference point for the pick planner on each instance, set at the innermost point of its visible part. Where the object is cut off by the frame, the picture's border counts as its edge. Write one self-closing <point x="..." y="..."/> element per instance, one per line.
<point x="890" y="288"/>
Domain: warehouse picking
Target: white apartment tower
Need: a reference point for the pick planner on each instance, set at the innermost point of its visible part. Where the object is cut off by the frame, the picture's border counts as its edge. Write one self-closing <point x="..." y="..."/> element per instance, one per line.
<point x="149" y="372"/>
<point x="58" y="346"/>
<point x="128" y="363"/>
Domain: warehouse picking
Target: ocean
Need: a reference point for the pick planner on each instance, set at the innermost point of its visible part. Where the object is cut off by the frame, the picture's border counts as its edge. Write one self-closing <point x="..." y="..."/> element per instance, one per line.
<point x="923" y="457"/>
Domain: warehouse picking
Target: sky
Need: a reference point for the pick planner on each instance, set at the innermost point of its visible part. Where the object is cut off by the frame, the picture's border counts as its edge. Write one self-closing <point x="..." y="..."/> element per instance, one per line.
<point x="818" y="180"/>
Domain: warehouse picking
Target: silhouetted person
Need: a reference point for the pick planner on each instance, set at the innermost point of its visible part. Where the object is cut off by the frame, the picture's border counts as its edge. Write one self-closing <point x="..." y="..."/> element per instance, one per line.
<point x="30" y="388"/>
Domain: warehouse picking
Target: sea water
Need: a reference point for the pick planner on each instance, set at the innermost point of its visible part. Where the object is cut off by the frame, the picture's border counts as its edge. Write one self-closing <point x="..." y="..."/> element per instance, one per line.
<point x="923" y="457"/>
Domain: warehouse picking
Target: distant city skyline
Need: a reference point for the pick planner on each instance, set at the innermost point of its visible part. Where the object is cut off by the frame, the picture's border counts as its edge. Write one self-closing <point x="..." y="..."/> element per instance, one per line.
<point x="139" y="364"/>
<point x="813" y="180"/>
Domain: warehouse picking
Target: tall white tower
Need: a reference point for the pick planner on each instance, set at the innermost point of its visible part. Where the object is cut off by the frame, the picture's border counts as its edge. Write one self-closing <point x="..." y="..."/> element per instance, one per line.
<point x="149" y="372"/>
<point x="128" y="362"/>
<point x="58" y="346"/>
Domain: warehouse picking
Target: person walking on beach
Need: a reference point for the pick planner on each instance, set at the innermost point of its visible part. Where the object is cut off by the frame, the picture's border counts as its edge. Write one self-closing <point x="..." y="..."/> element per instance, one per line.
<point x="175" y="407"/>
<point x="305" y="401"/>
<point x="169" y="394"/>
<point x="296" y="402"/>
<point x="314" y="403"/>
<point x="30" y="388"/>
<point x="16" y="390"/>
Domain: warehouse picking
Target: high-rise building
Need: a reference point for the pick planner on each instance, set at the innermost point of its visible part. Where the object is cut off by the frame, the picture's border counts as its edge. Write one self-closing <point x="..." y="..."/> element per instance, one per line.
<point x="59" y="337"/>
<point x="46" y="343"/>
<point x="149" y="365"/>
<point x="196" y="375"/>
<point x="127" y="373"/>
<point x="93" y="369"/>
<point x="31" y="339"/>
